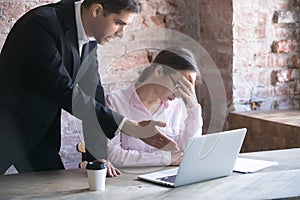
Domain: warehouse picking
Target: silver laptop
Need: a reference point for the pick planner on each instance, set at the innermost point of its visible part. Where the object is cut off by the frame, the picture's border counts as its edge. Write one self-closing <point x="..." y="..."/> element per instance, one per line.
<point x="205" y="157"/>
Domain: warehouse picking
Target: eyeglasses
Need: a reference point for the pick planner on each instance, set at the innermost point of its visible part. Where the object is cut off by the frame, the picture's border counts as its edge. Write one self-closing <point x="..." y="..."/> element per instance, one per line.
<point x="176" y="85"/>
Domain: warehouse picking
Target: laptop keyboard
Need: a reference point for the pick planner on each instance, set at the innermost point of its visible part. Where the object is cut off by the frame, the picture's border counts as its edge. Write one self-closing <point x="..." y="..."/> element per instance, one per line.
<point x="170" y="179"/>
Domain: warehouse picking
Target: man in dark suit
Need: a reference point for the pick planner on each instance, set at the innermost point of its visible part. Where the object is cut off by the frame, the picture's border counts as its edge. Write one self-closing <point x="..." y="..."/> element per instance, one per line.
<point x="41" y="73"/>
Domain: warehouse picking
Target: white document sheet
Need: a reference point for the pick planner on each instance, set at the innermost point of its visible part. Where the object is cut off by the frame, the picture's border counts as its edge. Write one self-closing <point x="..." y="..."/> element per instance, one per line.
<point x="246" y="165"/>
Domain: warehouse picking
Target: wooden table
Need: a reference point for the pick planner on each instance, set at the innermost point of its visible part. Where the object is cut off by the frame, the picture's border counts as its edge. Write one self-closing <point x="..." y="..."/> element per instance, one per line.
<point x="281" y="181"/>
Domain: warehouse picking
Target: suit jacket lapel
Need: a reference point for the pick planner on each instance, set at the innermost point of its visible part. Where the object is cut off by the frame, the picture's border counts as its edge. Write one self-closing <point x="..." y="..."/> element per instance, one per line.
<point x="76" y="60"/>
<point x="71" y="36"/>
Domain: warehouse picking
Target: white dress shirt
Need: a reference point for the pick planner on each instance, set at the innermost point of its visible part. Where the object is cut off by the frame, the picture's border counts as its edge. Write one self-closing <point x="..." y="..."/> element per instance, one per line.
<point x="82" y="38"/>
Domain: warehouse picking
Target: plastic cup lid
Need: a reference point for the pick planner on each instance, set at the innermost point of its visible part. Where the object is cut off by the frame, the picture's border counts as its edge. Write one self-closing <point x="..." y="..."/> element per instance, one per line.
<point x="95" y="165"/>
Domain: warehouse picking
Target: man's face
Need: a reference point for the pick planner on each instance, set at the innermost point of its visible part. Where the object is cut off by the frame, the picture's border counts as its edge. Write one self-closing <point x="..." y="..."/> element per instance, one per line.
<point x="105" y="28"/>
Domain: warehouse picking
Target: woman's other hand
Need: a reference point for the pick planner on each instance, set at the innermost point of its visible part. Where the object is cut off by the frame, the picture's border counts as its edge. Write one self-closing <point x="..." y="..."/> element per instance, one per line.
<point x="176" y="157"/>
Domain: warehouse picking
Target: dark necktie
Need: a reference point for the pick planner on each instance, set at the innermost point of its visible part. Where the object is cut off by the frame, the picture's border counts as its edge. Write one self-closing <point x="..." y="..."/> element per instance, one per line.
<point x="86" y="49"/>
<point x="99" y="96"/>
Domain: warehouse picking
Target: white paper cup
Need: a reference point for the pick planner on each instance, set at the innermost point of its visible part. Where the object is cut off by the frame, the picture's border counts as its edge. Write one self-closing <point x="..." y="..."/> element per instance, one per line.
<point x="96" y="178"/>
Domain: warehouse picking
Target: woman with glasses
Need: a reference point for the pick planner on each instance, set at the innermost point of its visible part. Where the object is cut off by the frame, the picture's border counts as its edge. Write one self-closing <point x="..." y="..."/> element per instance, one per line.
<point x="165" y="91"/>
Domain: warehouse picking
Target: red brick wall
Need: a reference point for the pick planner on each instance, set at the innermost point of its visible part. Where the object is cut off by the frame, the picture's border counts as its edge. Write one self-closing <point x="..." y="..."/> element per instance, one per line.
<point x="266" y="51"/>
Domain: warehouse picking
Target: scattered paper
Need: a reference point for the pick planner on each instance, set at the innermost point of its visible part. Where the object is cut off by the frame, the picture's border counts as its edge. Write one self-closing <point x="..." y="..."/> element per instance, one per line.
<point x="246" y="165"/>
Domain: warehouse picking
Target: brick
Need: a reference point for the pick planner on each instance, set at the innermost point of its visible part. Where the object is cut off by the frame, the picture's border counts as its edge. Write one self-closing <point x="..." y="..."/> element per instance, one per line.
<point x="126" y="68"/>
<point x="263" y="77"/>
<point x="260" y="32"/>
<point x="246" y="16"/>
<point x="243" y="62"/>
<point x="280" y="90"/>
<point x="275" y="60"/>
<point x="174" y="23"/>
<point x="262" y="18"/>
<point x="114" y="48"/>
<point x="13" y="10"/>
<point x="149" y="8"/>
<point x="295" y="3"/>
<point x="295" y="61"/>
<point x="242" y="96"/>
<point x="157" y="21"/>
<point x="243" y="5"/>
<point x="281" y="32"/>
<point x="285" y="17"/>
<point x="261" y="60"/>
<point x="283" y="46"/>
<point x="131" y="60"/>
<point x="242" y="31"/>
<point x="2" y="40"/>
<point x="286" y="31"/>
<point x="284" y="75"/>
<point x="5" y="27"/>
<point x="260" y="93"/>
<point x="280" y="5"/>
<point x="295" y="74"/>
<point x="273" y="78"/>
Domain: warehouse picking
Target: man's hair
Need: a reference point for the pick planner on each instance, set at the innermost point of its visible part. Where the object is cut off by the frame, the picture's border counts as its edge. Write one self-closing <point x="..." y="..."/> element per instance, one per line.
<point x="116" y="6"/>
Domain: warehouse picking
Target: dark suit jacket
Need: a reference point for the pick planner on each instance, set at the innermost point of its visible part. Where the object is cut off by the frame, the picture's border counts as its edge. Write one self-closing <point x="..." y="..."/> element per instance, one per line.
<point x="39" y="65"/>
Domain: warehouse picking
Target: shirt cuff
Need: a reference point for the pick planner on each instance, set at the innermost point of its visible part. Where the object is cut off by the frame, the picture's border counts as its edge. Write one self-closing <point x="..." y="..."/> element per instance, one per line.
<point x="194" y="109"/>
<point x="169" y="158"/>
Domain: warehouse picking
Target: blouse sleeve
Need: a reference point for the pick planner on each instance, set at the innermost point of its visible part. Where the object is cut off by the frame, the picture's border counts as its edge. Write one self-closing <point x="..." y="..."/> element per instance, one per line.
<point x="120" y="157"/>
<point x="192" y="126"/>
